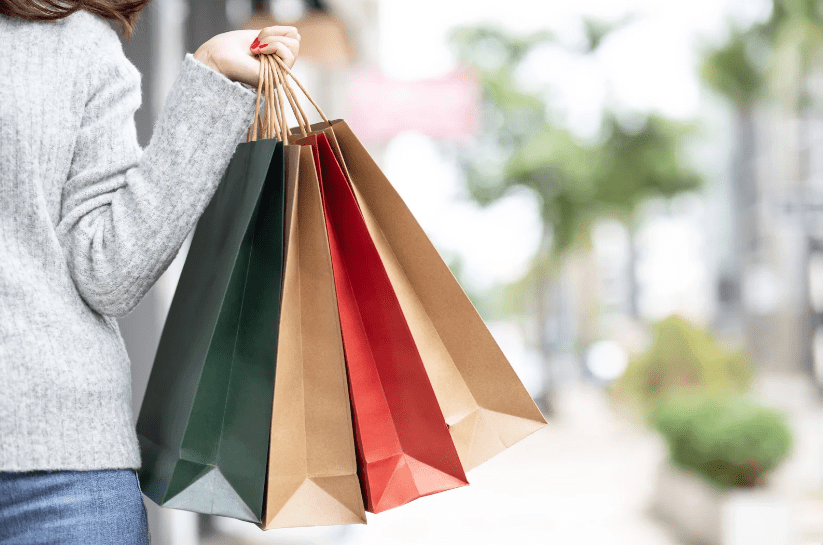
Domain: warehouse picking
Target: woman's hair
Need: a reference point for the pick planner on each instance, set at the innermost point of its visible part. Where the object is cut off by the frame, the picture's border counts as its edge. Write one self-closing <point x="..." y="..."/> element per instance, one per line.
<point x="124" y="12"/>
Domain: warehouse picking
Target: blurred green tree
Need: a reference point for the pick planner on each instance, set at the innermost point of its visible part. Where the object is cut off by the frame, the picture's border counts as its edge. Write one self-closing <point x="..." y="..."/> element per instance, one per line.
<point x="574" y="182"/>
<point x="736" y="71"/>
<point x="682" y="358"/>
<point x="795" y="31"/>
<point x="772" y="61"/>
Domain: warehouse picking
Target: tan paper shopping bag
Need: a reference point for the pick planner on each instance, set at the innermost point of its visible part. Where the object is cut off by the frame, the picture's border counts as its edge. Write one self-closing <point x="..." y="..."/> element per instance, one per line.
<point x="312" y="472"/>
<point x="484" y="402"/>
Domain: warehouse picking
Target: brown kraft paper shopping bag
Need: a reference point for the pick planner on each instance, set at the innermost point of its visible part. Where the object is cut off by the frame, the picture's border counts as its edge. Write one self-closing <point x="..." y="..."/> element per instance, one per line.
<point x="483" y="401"/>
<point x="312" y="471"/>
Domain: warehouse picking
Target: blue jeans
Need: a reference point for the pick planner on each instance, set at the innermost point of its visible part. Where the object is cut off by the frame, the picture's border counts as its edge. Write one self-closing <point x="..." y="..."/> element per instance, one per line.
<point x="72" y="508"/>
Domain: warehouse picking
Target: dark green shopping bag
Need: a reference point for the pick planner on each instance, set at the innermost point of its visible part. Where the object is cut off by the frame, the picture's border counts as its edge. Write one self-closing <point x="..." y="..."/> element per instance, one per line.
<point x="205" y="420"/>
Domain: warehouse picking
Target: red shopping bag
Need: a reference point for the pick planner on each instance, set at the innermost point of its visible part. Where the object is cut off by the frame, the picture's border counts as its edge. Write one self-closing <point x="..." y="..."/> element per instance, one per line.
<point x="405" y="450"/>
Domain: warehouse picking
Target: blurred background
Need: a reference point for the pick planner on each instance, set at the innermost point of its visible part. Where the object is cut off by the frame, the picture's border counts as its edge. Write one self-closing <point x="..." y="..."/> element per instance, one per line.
<point x="631" y="193"/>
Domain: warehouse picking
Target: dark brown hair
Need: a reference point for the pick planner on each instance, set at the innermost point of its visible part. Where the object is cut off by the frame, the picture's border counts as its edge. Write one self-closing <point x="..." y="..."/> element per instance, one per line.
<point x="124" y="12"/>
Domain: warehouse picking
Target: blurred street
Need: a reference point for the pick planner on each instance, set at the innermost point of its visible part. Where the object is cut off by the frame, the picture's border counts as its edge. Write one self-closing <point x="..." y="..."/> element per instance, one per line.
<point x="586" y="478"/>
<point x="583" y="479"/>
<point x="629" y="192"/>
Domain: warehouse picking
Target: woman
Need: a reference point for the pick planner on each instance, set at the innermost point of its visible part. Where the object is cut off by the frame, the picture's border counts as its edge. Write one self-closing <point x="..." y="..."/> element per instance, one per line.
<point x="88" y="222"/>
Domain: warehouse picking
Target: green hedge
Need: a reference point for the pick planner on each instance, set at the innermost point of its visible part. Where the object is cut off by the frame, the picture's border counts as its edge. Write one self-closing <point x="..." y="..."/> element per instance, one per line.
<point x="682" y="358"/>
<point x="730" y="440"/>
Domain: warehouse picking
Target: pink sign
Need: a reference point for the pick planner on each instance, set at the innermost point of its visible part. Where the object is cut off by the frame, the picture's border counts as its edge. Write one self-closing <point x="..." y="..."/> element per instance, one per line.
<point x="443" y="108"/>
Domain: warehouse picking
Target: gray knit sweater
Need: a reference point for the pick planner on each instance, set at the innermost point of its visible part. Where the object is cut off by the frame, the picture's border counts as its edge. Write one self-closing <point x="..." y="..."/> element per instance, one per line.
<point x="88" y="222"/>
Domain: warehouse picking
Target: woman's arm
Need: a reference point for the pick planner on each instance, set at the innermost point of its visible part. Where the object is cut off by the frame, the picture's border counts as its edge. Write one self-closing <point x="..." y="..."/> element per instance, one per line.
<point x="125" y="210"/>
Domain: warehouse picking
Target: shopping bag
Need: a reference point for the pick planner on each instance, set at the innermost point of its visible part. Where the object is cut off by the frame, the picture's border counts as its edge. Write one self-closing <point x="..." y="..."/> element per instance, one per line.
<point x="484" y="402"/>
<point x="205" y="420"/>
<point x="312" y="473"/>
<point x="404" y="447"/>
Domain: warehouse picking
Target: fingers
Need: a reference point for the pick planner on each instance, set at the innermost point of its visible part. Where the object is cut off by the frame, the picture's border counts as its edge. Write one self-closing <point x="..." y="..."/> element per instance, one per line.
<point x="288" y="31"/>
<point x="284" y="47"/>
<point x="287" y="34"/>
<point x="283" y="52"/>
<point x="268" y="45"/>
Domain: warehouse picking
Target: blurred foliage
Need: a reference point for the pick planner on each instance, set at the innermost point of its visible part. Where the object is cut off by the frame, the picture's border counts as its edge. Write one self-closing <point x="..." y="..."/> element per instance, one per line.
<point x="682" y="358"/>
<point x="575" y="182"/>
<point x="795" y="35"/>
<point x="597" y="31"/>
<point x="774" y="57"/>
<point x="729" y="440"/>
<point x="733" y="70"/>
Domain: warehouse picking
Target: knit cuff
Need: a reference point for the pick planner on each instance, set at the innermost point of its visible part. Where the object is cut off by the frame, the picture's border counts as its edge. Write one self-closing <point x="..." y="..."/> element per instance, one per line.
<point x="234" y="99"/>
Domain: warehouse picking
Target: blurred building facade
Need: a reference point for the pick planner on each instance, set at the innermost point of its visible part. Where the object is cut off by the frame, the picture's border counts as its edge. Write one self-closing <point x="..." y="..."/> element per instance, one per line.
<point x="776" y="206"/>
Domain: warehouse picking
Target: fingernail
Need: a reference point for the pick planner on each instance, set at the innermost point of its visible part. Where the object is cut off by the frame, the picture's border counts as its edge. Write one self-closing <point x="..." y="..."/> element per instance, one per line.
<point x="254" y="43"/>
<point x="263" y="45"/>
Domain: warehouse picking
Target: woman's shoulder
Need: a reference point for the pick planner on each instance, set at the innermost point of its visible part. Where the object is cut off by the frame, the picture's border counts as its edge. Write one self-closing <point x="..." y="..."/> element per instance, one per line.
<point x="86" y="37"/>
<point x="91" y="31"/>
<point x="88" y="21"/>
<point x="81" y="25"/>
<point x="98" y="40"/>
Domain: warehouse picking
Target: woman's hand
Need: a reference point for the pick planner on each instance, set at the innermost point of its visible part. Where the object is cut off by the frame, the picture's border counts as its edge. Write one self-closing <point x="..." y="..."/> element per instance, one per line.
<point x="234" y="54"/>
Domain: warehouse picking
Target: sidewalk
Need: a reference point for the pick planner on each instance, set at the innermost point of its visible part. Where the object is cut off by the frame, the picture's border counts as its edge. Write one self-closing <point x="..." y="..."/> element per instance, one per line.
<point x="582" y="480"/>
<point x="801" y="477"/>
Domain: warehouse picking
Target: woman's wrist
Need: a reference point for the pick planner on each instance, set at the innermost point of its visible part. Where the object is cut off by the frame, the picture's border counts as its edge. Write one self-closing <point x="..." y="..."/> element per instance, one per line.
<point x="204" y="55"/>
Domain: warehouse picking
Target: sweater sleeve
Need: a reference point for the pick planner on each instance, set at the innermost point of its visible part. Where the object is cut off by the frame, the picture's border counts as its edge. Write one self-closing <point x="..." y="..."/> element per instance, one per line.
<point x="126" y="211"/>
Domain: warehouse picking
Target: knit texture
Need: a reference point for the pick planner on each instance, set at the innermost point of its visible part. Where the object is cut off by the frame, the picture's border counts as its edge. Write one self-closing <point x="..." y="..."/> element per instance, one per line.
<point x="88" y="222"/>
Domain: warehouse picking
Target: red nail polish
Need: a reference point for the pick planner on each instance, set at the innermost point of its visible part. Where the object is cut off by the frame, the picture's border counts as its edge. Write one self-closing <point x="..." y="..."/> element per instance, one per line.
<point x="263" y="45"/>
<point x="254" y="43"/>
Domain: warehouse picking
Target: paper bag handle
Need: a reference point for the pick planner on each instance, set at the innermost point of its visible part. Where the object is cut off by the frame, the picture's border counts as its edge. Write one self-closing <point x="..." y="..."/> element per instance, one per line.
<point x="299" y="114"/>
<point x="261" y="123"/>
<point x="304" y="124"/>
<point x="271" y="122"/>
